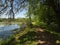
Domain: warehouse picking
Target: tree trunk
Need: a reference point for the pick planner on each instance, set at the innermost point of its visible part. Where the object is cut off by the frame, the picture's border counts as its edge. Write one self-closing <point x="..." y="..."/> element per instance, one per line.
<point x="13" y="16"/>
<point x="56" y="6"/>
<point x="58" y="20"/>
<point x="30" y="21"/>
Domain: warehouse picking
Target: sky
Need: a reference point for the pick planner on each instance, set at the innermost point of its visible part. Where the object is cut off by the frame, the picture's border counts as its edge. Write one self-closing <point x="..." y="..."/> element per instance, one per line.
<point x="21" y="14"/>
<point x="18" y="15"/>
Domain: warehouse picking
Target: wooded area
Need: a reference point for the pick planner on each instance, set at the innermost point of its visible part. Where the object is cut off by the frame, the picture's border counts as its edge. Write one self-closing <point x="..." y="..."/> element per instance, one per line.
<point x="41" y="14"/>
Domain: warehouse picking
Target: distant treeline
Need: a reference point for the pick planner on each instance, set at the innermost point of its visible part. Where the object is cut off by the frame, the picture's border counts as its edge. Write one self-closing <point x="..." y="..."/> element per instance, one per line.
<point x="18" y="19"/>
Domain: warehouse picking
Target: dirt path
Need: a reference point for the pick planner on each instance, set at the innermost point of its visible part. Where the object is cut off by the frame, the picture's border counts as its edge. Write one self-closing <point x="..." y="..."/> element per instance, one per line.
<point x="44" y="38"/>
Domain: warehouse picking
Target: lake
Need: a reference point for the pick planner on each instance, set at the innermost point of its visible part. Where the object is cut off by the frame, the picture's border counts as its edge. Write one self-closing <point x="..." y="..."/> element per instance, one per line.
<point x="6" y="31"/>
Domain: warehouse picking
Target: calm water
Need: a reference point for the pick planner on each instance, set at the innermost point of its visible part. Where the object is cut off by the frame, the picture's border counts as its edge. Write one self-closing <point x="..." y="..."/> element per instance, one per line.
<point x="5" y="31"/>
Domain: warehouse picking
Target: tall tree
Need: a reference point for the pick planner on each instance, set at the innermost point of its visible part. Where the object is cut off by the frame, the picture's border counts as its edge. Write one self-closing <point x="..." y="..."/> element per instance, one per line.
<point x="55" y="4"/>
<point x="11" y="7"/>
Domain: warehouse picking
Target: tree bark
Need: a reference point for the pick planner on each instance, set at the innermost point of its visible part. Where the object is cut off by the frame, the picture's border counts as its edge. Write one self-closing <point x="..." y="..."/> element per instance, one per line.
<point x="56" y="7"/>
<point x="58" y="20"/>
<point x="13" y="16"/>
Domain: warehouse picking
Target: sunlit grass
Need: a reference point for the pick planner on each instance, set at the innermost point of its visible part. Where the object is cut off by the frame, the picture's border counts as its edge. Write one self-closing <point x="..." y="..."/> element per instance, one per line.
<point x="27" y="36"/>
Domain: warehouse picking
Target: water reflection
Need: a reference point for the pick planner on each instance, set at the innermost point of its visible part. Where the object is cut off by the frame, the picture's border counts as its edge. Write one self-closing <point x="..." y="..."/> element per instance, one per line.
<point x="5" y="31"/>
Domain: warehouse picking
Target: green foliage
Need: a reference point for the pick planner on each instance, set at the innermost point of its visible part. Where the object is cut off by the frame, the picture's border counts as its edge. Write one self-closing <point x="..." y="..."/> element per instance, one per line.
<point x="40" y="24"/>
<point x="42" y="15"/>
<point x="52" y="27"/>
<point x="8" y="40"/>
<point x="1" y="41"/>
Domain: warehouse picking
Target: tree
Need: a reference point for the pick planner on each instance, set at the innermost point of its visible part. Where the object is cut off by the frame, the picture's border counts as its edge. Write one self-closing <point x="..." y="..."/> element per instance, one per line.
<point x="11" y="7"/>
<point x="55" y="4"/>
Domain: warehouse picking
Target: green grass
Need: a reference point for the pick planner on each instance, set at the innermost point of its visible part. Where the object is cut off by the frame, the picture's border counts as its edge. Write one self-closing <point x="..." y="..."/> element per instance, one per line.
<point x="28" y="36"/>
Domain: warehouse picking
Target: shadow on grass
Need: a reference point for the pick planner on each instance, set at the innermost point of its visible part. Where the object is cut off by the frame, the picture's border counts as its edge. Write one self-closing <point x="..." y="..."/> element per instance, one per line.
<point x="49" y="38"/>
<point x="30" y="36"/>
<point x="40" y="38"/>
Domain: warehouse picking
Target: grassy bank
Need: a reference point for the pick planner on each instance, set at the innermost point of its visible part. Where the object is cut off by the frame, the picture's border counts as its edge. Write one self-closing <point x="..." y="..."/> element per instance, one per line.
<point x="31" y="36"/>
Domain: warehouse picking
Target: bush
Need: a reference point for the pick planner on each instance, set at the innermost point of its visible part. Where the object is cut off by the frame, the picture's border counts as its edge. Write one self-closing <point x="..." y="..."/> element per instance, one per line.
<point x="52" y="27"/>
<point x="40" y="24"/>
<point x="1" y="41"/>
